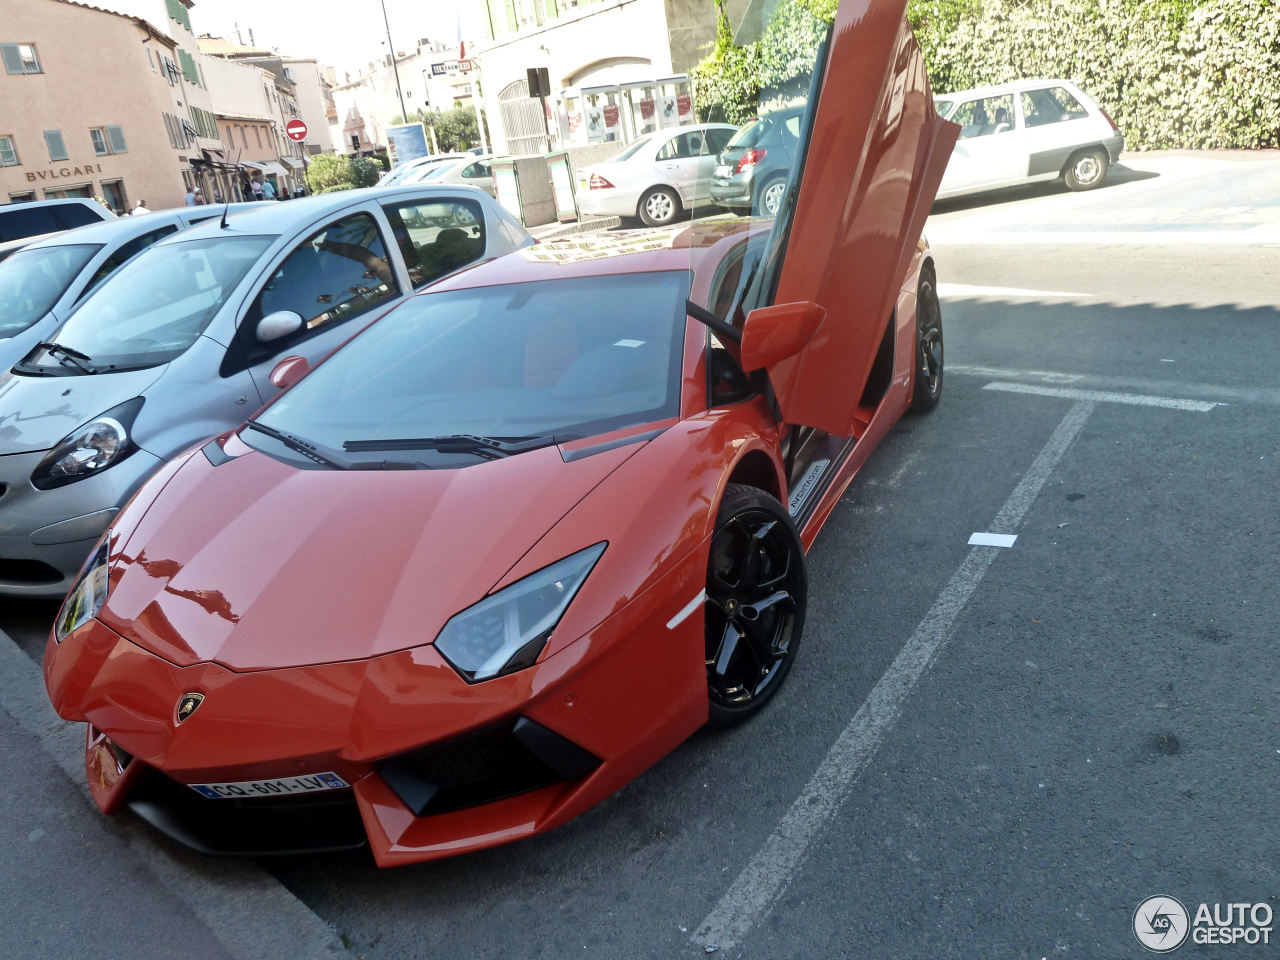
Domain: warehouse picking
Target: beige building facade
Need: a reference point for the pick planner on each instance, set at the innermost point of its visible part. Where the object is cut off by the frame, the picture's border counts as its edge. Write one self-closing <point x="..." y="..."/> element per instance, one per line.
<point x="123" y="136"/>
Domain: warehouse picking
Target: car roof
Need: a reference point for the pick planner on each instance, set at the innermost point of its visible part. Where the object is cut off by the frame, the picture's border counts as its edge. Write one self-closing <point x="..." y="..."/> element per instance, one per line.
<point x="111" y="231"/>
<point x="57" y="202"/>
<point x="998" y="88"/>
<point x="264" y="218"/>
<point x="679" y="247"/>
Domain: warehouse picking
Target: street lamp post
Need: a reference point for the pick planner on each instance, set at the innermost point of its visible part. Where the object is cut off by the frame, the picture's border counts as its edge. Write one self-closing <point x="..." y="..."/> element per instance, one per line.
<point x="404" y="114"/>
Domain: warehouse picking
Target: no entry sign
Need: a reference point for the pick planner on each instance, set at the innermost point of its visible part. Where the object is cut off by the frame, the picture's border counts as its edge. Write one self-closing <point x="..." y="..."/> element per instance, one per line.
<point x="296" y="129"/>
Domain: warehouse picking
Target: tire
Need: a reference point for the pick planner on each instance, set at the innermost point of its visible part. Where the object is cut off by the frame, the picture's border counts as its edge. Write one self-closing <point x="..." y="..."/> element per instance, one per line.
<point x="1086" y="169"/>
<point x="927" y="389"/>
<point x="770" y="197"/>
<point x="658" y="206"/>
<point x="756" y="597"/>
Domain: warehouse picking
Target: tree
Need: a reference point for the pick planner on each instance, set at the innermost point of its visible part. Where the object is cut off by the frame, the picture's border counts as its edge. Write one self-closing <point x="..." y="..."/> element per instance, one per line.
<point x="455" y="129"/>
<point x="365" y="171"/>
<point x="329" y="172"/>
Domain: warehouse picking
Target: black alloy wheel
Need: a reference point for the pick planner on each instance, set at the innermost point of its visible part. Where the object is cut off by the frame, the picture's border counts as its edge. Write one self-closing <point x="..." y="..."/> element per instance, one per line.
<point x="756" y="592"/>
<point x="928" y="373"/>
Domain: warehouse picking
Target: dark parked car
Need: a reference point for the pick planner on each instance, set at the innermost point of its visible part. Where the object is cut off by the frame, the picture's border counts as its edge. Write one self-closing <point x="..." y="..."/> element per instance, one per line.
<point x="751" y="172"/>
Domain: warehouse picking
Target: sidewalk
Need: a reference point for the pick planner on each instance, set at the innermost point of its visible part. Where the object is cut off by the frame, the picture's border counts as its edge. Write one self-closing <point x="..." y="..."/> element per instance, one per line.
<point x="77" y="884"/>
<point x="554" y="231"/>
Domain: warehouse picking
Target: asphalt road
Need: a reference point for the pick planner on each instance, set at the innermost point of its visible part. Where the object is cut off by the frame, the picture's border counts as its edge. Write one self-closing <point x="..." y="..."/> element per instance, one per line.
<point x="981" y="751"/>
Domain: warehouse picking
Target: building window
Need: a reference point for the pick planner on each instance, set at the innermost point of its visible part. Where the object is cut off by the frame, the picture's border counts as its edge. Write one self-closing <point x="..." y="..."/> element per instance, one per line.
<point x="57" y="149"/>
<point x="25" y="196"/>
<point x="8" y="152"/>
<point x="257" y="133"/>
<point x="107" y="140"/>
<point x="20" y="58"/>
<point x="150" y="59"/>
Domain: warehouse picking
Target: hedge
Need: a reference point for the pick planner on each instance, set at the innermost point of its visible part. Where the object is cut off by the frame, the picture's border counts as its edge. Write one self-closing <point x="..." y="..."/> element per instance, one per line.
<point x="1172" y="73"/>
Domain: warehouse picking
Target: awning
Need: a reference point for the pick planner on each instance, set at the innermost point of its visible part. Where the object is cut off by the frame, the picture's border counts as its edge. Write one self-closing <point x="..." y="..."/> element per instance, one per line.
<point x="272" y="167"/>
<point x="290" y="161"/>
<point x="253" y="165"/>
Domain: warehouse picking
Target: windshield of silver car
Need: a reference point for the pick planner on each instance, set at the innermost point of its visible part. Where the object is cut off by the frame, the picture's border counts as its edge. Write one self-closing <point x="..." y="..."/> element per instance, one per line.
<point x="154" y="307"/>
<point x="31" y="281"/>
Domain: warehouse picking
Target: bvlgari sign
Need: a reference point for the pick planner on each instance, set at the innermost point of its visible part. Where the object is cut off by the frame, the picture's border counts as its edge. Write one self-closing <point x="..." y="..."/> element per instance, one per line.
<point x="36" y="175"/>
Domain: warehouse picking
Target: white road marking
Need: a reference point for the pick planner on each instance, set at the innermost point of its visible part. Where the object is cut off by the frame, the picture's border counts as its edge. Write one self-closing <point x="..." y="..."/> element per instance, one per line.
<point x="966" y="237"/>
<point x="687" y="611"/>
<point x="250" y="912"/>
<point x="1100" y="396"/>
<point x="956" y="290"/>
<point x="1215" y="392"/>
<point x="767" y="875"/>
<point x="903" y="467"/>
<point x="992" y="539"/>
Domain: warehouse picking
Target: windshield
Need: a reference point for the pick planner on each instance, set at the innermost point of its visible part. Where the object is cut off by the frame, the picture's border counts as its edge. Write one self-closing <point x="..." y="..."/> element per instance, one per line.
<point x="31" y="281"/>
<point x="570" y="357"/>
<point x="155" y="306"/>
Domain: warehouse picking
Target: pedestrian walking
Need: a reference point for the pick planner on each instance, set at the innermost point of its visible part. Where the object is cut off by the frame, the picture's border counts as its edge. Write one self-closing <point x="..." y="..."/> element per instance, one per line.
<point x="268" y="190"/>
<point x="256" y="187"/>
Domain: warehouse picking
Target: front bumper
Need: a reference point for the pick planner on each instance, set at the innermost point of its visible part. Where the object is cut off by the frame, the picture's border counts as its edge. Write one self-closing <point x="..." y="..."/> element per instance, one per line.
<point x="392" y="727"/>
<point x="45" y="535"/>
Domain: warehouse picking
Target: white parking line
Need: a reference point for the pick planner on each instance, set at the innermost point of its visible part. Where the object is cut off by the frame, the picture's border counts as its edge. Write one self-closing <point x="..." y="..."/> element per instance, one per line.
<point x="249" y="911"/>
<point x="959" y="290"/>
<point x="766" y="877"/>
<point x="1100" y="396"/>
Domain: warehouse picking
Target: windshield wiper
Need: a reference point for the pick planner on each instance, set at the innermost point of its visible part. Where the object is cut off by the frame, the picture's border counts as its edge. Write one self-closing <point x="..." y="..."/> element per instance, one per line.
<point x="331" y="458"/>
<point x="489" y="447"/>
<point x="67" y="355"/>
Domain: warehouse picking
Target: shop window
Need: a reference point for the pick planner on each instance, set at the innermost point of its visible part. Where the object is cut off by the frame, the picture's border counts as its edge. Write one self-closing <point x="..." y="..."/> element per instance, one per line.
<point x="20" y="58"/>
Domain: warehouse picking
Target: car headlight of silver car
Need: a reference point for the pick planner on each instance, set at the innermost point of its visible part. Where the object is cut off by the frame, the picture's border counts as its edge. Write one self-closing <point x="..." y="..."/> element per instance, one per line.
<point x="88" y="595"/>
<point x="89" y="449"/>
<point x="506" y="631"/>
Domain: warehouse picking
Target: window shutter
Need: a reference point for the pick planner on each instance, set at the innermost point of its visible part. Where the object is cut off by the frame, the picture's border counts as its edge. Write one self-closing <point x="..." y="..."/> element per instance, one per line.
<point x="57" y="149"/>
<point x="116" y="136"/>
<point x="12" y="58"/>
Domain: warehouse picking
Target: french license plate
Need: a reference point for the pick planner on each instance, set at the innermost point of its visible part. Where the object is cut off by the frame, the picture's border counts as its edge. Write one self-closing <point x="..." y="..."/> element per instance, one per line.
<point x="722" y="170"/>
<point x="279" y="787"/>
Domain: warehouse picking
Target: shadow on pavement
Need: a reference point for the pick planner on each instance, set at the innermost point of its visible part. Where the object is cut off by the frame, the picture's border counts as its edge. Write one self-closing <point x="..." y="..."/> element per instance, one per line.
<point x="1117" y="175"/>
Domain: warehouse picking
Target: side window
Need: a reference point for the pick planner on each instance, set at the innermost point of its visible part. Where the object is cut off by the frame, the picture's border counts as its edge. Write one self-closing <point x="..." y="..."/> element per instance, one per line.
<point x="1053" y="105"/>
<point x="436" y="237"/>
<point x="75" y="215"/>
<point x="671" y="149"/>
<point x="126" y="252"/>
<point x="982" y="118"/>
<point x="476" y="170"/>
<point x="335" y="275"/>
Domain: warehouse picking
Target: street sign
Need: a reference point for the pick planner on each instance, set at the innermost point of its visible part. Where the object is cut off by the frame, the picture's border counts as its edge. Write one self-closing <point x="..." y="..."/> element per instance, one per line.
<point x="296" y="129"/>
<point x="450" y="67"/>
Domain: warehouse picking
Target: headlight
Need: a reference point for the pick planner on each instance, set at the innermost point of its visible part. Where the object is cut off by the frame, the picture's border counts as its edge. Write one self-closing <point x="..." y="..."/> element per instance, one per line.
<point x="88" y="595"/>
<point x="505" y="632"/>
<point x="90" y="449"/>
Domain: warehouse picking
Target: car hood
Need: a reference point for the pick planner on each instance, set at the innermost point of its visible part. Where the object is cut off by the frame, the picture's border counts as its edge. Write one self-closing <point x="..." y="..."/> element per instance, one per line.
<point x="256" y="564"/>
<point x="37" y="412"/>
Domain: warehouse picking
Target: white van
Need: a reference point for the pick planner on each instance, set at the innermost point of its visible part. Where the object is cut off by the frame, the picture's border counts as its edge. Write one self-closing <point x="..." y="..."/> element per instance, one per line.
<point x="1024" y="132"/>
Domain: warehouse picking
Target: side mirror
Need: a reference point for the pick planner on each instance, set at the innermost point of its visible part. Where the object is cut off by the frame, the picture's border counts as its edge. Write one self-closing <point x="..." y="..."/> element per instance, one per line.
<point x="276" y="325"/>
<point x="774" y="333"/>
<point x="289" y="371"/>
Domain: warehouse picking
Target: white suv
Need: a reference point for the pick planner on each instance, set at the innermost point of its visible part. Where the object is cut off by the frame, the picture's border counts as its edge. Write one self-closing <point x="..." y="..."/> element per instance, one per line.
<point x="1026" y="131"/>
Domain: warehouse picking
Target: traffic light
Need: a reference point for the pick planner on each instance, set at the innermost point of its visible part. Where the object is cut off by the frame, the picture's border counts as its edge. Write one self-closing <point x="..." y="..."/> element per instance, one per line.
<point x="355" y="142"/>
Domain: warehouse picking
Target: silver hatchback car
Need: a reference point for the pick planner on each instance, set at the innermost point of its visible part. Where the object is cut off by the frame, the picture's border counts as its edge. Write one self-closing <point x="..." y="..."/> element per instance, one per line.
<point x="42" y="283"/>
<point x="179" y="345"/>
<point x="1027" y="131"/>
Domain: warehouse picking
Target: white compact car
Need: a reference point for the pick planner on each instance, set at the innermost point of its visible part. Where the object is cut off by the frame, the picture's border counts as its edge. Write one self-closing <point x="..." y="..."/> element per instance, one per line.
<point x="657" y="176"/>
<point x="1024" y="132"/>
